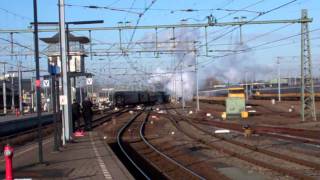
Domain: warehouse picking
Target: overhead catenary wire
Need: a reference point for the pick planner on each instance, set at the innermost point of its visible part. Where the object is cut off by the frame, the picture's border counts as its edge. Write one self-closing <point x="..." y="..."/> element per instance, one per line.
<point x="251" y="20"/>
<point x="135" y="28"/>
<point x="16" y="14"/>
<point x="20" y="45"/>
<point x="242" y="9"/>
<point x="102" y="7"/>
<point x="259" y="45"/>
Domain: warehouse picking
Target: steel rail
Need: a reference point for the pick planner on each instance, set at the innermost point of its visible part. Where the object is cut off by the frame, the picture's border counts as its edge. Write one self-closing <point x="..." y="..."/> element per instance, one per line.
<point x="257" y="149"/>
<point x="161" y="153"/>
<point x="119" y="141"/>
<point x="239" y="155"/>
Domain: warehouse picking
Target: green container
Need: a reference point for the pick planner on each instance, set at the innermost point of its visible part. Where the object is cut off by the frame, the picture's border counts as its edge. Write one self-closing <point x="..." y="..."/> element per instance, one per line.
<point x="235" y="105"/>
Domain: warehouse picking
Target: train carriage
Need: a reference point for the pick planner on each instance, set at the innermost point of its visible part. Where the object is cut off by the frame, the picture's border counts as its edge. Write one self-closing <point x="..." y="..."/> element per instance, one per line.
<point x="123" y="98"/>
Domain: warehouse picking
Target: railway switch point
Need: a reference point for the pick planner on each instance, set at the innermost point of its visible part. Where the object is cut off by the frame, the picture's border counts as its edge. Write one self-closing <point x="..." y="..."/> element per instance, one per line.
<point x="8" y="155"/>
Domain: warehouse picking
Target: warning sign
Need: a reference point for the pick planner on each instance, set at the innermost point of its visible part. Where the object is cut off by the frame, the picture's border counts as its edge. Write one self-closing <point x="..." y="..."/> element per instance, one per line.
<point x="46" y="83"/>
<point x="89" y="81"/>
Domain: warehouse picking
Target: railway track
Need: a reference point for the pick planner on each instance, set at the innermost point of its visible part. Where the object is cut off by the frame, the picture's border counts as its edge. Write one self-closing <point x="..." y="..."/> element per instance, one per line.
<point x="164" y="167"/>
<point x="233" y="150"/>
<point x="299" y="135"/>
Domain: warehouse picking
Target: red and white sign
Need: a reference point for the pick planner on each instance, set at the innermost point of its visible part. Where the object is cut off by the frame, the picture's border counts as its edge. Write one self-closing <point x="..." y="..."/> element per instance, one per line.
<point x="38" y="83"/>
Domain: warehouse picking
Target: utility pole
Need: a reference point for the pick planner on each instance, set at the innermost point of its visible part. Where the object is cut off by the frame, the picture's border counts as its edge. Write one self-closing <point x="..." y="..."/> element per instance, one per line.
<point x="32" y="94"/>
<point x="246" y="86"/>
<point x="38" y="83"/>
<point x="4" y="91"/>
<point x="182" y="90"/>
<point x="197" y="80"/>
<point x="279" y="79"/>
<point x="65" y="80"/>
<point x="91" y="55"/>
<point x="308" y="109"/>
<point x="54" y="111"/>
<point x="80" y="88"/>
<point x="12" y="93"/>
<point x="20" y="88"/>
<point x="12" y="83"/>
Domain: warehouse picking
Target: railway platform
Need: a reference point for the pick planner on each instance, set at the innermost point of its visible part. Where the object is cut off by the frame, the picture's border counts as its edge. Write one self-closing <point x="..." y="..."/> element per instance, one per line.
<point x="88" y="157"/>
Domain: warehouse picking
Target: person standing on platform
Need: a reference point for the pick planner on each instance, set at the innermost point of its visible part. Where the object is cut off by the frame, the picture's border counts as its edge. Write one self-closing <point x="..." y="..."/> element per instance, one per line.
<point x="87" y="113"/>
<point x="75" y="115"/>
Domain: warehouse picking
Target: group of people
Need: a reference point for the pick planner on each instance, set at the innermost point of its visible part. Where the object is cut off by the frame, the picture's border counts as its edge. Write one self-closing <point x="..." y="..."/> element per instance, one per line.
<point x="87" y="114"/>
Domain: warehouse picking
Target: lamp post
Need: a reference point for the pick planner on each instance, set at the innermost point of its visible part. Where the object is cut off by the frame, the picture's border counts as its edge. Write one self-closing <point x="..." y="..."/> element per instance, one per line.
<point x="246" y="85"/>
<point x="4" y="91"/>
<point x="197" y="78"/>
<point x="279" y="79"/>
<point x="36" y="57"/>
<point x="182" y="90"/>
<point x="12" y="93"/>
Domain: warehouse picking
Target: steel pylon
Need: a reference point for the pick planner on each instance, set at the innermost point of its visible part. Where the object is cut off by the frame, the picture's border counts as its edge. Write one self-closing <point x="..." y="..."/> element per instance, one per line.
<point x="308" y="110"/>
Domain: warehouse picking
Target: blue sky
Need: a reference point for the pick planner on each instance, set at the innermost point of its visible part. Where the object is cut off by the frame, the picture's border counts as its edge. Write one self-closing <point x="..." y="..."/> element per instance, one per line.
<point x="17" y="14"/>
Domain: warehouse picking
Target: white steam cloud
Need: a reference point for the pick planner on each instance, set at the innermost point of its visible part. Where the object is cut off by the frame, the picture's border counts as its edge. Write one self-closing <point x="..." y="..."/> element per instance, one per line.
<point x="231" y="68"/>
<point x="184" y="57"/>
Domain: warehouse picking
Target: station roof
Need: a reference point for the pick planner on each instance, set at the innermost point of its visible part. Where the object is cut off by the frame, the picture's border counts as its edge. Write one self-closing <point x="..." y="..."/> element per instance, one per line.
<point x="55" y="39"/>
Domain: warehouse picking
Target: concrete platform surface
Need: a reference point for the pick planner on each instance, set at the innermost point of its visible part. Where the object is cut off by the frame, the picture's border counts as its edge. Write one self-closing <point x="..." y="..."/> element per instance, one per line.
<point x="87" y="158"/>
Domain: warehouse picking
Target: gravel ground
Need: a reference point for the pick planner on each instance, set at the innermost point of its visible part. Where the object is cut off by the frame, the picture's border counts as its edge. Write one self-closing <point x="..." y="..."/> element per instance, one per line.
<point x="280" y="163"/>
<point x="163" y="135"/>
<point x="267" y="114"/>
